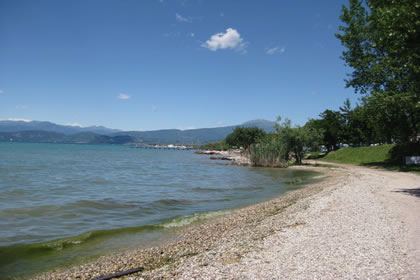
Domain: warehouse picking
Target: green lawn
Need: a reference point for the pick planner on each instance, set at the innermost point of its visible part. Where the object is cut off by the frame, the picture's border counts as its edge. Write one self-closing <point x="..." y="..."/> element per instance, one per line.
<point x="375" y="156"/>
<point x="360" y="155"/>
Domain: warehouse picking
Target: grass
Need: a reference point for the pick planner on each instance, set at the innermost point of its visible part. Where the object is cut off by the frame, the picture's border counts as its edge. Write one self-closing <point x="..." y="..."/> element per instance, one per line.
<point x="315" y="155"/>
<point x="373" y="156"/>
<point x="360" y="155"/>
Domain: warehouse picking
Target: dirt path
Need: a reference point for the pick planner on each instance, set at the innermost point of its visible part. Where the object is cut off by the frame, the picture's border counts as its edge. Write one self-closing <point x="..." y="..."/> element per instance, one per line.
<point x="400" y="193"/>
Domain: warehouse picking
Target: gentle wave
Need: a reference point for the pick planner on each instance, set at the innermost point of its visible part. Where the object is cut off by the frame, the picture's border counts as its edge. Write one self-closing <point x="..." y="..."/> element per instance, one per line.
<point x="107" y="204"/>
<point x="82" y="206"/>
<point x="172" y="202"/>
<point x="188" y="220"/>
<point x="102" y="204"/>
<point x="10" y="255"/>
<point x="204" y="189"/>
<point x="14" y="192"/>
<point x="63" y="243"/>
<point x="22" y="253"/>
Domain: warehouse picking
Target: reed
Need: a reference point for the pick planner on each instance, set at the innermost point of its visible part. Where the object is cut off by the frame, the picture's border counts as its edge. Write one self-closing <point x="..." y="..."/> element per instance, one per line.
<point x="268" y="154"/>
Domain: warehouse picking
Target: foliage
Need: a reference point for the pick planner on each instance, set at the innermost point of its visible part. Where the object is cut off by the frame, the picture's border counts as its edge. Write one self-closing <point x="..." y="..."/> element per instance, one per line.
<point x="217" y="146"/>
<point x="331" y="124"/>
<point x="382" y="46"/>
<point x="315" y="155"/>
<point x="269" y="152"/>
<point x="245" y="136"/>
<point x="359" y="128"/>
<point x="297" y="140"/>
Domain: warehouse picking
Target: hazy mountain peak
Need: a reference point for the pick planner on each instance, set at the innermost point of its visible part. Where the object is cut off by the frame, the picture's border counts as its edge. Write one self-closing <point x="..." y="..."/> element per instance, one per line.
<point x="258" y="121"/>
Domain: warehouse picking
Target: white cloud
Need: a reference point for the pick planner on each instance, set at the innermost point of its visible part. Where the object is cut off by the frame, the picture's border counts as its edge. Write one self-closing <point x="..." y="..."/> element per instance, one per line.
<point x="231" y="39"/>
<point x="220" y="123"/>
<point x="18" y="120"/>
<point x="275" y="50"/>
<point x="22" y="107"/>
<point x="181" y="18"/>
<point x="123" y="96"/>
<point x="1" y="91"/>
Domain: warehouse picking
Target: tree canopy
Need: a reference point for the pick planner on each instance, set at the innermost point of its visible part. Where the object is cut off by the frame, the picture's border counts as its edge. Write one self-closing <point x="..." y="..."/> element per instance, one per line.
<point x="382" y="45"/>
<point x="297" y="139"/>
<point x="245" y="136"/>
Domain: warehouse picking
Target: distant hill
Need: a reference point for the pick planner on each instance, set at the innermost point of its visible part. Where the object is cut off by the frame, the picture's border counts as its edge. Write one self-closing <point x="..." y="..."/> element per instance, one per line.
<point x="176" y="136"/>
<point x="192" y="136"/>
<point x="268" y="126"/>
<point x="48" y="132"/>
<point x="16" y="126"/>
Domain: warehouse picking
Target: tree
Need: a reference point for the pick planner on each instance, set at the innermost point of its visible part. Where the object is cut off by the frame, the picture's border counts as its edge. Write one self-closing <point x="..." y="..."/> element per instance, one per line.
<point x="331" y="126"/>
<point x="297" y="140"/>
<point x="382" y="42"/>
<point x="245" y="136"/>
<point x="218" y="146"/>
<point x="360" y="129"/>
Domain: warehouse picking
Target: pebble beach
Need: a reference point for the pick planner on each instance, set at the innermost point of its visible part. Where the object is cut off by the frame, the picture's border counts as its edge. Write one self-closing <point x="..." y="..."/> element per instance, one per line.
<point x="358" y="223"/>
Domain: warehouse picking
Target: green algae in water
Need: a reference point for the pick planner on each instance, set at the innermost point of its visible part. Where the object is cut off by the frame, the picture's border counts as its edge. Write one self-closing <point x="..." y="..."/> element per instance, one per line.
<point x="26" y="260"/>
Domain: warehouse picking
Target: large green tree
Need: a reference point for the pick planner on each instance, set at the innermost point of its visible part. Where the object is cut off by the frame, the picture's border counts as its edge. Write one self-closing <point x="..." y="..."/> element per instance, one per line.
<point x="297" y="140"/>
<point x="382" y="45"/>
<point x="245" y="136"/>
<point x="331" y="126"/>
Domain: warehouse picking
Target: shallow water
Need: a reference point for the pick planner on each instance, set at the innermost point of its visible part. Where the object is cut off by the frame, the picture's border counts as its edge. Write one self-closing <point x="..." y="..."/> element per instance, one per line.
<point x="60" y="204"/>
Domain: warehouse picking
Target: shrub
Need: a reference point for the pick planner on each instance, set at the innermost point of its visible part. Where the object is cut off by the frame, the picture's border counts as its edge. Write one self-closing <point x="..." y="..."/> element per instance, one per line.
<point x="217" y="146"/>
<point x="269" y="153"/>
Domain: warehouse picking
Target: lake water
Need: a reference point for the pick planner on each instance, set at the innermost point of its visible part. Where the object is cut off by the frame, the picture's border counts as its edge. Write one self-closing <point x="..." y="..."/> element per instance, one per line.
<point x="62" y="204"/>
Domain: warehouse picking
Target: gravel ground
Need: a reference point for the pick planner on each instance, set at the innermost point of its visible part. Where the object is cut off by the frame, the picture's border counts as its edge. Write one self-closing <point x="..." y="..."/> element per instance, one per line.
<point x="358" y="223"/>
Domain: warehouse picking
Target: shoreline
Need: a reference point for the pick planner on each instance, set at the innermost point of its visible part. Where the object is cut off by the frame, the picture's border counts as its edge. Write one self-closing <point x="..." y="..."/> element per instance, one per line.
<point x="254" y="241"/>
<point x="233" y="157"/>
<point x="188" y="244"/>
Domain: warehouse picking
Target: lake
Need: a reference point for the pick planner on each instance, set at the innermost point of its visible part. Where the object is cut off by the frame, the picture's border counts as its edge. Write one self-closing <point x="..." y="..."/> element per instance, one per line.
<point x="62" y="204"/>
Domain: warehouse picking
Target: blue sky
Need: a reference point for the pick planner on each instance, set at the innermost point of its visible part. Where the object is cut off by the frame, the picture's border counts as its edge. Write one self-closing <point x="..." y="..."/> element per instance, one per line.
<point x="154" y="64"/>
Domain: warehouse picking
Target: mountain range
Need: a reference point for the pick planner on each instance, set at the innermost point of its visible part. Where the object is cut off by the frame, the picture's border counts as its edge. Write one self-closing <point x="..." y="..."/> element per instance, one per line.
<point x="47" y="132"/>
<point x="17" y="126"/>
